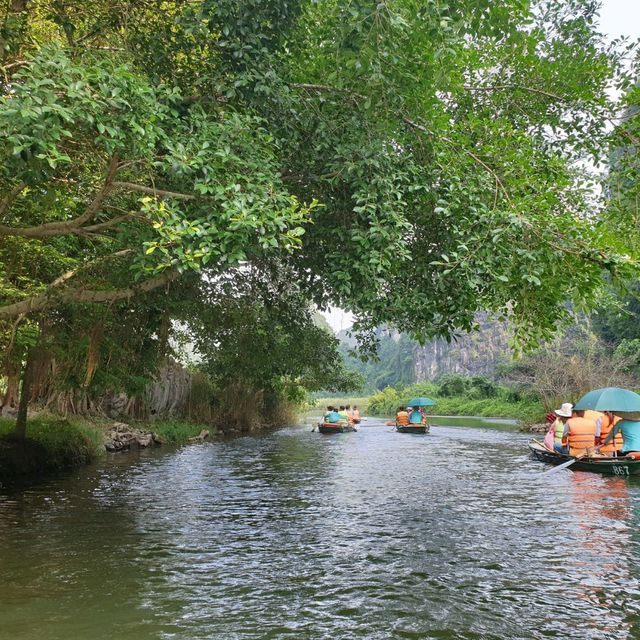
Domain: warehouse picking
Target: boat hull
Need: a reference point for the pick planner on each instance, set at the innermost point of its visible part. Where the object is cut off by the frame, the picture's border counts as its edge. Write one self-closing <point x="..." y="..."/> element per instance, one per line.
<point x="412" y="428"/>
<point x="335" y="428"/>
<point x="621" y="466"/>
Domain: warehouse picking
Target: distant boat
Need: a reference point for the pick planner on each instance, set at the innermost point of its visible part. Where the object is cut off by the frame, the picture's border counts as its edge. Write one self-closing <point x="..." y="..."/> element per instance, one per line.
<point x="412" y="428"/>
<point x="620" y="466"/>
<point x="333" y="427"/>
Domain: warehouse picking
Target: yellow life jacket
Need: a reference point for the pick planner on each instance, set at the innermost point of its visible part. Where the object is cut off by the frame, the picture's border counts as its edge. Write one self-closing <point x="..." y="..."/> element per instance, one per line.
<point x="402" y="418"/>
<point x="558" y="431"/>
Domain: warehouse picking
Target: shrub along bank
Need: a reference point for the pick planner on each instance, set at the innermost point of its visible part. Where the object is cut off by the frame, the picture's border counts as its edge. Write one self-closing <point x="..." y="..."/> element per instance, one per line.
<point x="462" y="396"/>
<point x="55" y="443"/>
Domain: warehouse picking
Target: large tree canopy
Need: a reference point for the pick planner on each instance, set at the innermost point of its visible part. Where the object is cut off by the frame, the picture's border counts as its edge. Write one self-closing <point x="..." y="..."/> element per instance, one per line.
<point x="434" y="154"/>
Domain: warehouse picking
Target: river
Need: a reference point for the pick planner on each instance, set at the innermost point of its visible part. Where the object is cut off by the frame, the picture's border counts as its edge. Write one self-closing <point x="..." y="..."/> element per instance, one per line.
<point x="291" y="534"/>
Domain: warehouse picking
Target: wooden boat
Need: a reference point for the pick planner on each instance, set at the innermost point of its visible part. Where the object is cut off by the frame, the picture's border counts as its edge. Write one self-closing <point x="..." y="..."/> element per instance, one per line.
<point x="335" y="427"/>
<point x="412" y="428"/>
<point x="620" y="466"/>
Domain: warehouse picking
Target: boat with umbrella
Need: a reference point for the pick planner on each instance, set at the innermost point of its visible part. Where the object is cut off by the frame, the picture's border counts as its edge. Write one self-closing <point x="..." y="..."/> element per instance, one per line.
<point x="623" y="403"/>
<point x="422" y="426"/>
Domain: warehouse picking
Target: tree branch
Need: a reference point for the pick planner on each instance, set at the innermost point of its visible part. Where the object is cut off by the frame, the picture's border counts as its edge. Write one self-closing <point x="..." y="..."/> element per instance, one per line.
<point x="130" y="186"/>
<point x="68" y="226"/>
<point x="7" y="201"/>
<point x="69" y="274"/>
<point x="515" y="87"/>
<point x="43" y="301"/>
<point x="472" y="155"/>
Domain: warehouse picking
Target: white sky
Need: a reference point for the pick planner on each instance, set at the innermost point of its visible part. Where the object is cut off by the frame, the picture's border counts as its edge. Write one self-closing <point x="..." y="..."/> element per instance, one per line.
<point x="620" y="18"/>
<point x="617" y="18"/>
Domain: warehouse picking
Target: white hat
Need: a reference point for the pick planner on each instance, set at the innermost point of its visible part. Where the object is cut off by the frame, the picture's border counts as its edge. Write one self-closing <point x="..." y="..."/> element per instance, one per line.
<point x="565" y="410"/>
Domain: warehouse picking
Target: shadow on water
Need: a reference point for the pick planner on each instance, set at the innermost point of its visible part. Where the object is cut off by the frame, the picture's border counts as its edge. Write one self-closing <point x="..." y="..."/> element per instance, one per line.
<point x="294" y="534"/>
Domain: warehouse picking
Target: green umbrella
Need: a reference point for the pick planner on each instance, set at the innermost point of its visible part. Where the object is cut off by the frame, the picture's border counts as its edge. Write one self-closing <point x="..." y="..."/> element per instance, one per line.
<point x="609" y="399"/>
<point x="421" y="402"/>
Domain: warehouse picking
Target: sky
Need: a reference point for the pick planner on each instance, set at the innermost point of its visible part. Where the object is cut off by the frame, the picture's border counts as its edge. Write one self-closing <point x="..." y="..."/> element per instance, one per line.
<point x="617" y="18"/>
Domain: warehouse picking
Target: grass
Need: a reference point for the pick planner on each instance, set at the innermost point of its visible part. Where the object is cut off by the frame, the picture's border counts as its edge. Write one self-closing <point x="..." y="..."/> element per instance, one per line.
<point x="54" y="442"/>
<point x="176" y="431"/>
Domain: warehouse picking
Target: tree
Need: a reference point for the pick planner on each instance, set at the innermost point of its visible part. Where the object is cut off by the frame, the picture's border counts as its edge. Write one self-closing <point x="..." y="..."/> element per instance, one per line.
<point x="411" y="161"/>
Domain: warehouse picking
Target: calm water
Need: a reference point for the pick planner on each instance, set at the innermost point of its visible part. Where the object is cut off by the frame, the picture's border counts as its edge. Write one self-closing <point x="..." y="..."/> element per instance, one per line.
<point x="374" y="535"/>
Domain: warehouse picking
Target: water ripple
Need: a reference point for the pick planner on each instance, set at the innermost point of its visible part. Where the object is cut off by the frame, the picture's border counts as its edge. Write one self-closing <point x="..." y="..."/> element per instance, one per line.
<point x="456" y="534"/>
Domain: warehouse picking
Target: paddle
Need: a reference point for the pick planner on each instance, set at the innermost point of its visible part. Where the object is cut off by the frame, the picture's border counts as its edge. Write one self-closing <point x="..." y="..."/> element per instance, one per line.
<point x="564" y="465"/>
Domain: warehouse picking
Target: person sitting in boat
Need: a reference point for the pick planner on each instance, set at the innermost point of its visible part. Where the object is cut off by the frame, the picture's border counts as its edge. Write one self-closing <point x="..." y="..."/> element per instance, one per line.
<point x="554" y="436"/>
<point x="630" y="430"/>
<point x="614" y="445"/>
<point x="342" y="412"/>
<point x="347" y="408"/>
<point x="356" y="414"/>
<point x="580" y="434"/>
<point x="402" y="417"/>
<point x="416" y="416"/>
<point x="331" y="416"/>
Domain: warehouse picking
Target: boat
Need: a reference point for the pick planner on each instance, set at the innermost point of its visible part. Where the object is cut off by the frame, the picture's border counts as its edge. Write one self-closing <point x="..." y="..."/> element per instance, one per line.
<point x="412" y="428"/>
<point x="335" y="427"/>
<point x="620" y="466"/>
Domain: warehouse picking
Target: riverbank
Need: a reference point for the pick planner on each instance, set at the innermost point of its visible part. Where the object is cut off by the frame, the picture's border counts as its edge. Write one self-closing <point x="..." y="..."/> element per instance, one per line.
<point x="502" y="403"/>
<point x="55" y="443"/>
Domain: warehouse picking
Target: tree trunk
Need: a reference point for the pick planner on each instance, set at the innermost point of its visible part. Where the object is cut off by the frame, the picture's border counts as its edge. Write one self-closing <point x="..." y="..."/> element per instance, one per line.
<point x="25" y="394"/>
<point x="10" y="398"/>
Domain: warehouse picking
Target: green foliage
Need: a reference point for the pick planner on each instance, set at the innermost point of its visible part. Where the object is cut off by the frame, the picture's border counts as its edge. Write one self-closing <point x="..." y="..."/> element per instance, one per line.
<point x="413" y="162"/>
<point x="178" y="431"/>
<point x="254" y="326"/>
<point x="462" y="398"/>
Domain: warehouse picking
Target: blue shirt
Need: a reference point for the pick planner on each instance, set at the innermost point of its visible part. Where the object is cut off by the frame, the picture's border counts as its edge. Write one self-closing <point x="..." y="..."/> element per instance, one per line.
<point x="332" y="416"/>
<point x="415" y="417"/>
<point x="630" y="430"/>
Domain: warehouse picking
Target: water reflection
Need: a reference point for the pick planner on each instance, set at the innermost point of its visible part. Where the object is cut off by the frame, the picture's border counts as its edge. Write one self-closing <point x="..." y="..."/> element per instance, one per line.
<point x="456" y="534"/>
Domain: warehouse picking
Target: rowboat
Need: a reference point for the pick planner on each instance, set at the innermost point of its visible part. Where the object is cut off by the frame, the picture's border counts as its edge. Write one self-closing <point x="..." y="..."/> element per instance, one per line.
<point x="412" y="428"/>
<point x="620" y="466"/>
<point x="333" y="427"/>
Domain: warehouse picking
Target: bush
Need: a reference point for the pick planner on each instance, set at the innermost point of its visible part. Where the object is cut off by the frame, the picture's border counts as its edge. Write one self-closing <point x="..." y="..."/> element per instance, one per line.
<point x="452" y="384"/>
<point x="503" y="402"/>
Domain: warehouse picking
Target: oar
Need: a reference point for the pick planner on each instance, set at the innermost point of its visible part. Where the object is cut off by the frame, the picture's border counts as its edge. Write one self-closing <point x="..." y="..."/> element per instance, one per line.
<point x="564" y="465"/>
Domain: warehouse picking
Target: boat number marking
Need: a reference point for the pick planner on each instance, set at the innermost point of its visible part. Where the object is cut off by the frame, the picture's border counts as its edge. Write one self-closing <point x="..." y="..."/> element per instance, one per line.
<point x="621" y="470"/>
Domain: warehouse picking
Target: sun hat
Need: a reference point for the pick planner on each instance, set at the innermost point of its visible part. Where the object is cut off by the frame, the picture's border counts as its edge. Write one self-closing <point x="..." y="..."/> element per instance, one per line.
<point x="565" y="411"/>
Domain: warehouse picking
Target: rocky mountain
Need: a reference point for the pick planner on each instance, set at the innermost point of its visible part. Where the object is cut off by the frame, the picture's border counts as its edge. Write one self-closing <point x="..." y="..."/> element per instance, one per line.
<point x="475" y="353"/>
<point x="402" y="360"/>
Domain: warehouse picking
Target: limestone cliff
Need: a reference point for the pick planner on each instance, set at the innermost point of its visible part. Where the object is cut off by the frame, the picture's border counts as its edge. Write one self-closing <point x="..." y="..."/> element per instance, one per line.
<point x="476" y="353"/>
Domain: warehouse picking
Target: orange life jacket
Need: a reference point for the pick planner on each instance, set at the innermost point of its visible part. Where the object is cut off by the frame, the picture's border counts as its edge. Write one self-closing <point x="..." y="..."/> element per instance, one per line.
<point x="402" y="418"/>
<point x="582" y="435"/>
<point x="618" y="441"/>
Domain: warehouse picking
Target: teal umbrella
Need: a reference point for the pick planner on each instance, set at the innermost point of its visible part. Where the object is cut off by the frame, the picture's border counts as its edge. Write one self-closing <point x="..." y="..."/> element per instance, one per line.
<point x="421" y="402"/>
<point x="609" y="399"/>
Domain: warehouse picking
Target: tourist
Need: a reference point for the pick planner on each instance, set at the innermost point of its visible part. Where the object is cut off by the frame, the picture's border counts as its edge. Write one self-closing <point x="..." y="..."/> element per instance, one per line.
<point x="356" y="414"/>
<point x="402" y="417"/>
<point x="616" y="443"/>
<point x="580" y="434"/>
<point x="416" y="416"/>
<point x="331" y="416"/>
<point x="630" y="430"/>
<point x="555" y="434"/>
<point x="344" y="416"/>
